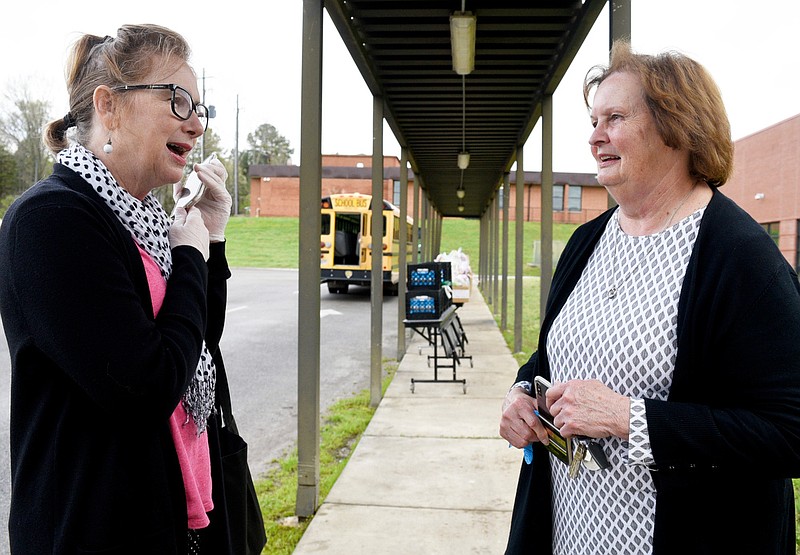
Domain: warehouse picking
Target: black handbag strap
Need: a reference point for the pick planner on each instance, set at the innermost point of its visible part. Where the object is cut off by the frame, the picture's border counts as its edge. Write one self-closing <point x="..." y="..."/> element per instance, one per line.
<point x="223" y="397"/>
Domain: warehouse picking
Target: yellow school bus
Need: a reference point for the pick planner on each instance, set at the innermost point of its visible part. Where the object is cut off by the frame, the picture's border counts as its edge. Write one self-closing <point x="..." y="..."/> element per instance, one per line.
<point x="346" y="242"/>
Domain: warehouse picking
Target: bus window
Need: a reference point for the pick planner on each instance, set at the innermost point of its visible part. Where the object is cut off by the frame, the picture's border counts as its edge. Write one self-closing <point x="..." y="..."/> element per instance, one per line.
<point x="346" y="241"/>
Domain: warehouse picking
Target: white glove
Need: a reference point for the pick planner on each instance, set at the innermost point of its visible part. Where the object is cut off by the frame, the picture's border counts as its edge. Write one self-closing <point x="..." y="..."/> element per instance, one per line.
<point x="215" y="204"/>
<point x="189" y="229"/>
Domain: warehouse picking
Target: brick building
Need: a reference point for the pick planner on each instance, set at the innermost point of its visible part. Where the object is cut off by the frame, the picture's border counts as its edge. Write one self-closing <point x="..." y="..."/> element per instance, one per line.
<point x="275" y="190"/>
<point x="766" y="182"/>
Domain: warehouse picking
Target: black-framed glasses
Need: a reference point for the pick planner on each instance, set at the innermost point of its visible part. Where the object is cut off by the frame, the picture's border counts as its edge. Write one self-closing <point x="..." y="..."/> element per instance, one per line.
<point x="181" y="101"/>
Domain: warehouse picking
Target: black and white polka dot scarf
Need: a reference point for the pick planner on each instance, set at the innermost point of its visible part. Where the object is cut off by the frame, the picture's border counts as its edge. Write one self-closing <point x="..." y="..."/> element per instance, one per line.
<point x="149" y="224"/>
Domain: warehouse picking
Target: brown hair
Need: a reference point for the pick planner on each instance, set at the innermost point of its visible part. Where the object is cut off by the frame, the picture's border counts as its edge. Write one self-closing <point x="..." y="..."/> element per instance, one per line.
<point x="136" y="53"/>
<point x="685" y="102"/>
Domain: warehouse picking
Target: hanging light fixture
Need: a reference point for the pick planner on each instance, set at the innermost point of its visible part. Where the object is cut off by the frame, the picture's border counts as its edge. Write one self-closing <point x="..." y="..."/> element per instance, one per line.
<point x="460" y="192"/>
<point x="462" y="41"/>
<point x="463" y="156"/>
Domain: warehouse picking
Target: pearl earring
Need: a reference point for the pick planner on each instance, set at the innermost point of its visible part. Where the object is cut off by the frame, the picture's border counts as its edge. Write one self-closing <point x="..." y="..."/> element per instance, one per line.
<point x="108" y="148"/>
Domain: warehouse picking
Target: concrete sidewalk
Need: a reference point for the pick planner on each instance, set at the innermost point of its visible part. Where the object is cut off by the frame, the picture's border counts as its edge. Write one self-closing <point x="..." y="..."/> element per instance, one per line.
<point x="431" y="474"/>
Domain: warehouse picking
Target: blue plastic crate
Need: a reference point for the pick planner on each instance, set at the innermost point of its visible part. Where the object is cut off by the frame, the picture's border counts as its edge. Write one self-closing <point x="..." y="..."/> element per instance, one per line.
<point x="426" y="304"/>
<point x="429" y="275"/>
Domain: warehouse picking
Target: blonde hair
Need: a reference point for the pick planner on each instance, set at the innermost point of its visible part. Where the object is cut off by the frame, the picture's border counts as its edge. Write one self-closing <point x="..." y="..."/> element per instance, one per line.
<point x="685" y="102"/>
<point x="134" y="54"/>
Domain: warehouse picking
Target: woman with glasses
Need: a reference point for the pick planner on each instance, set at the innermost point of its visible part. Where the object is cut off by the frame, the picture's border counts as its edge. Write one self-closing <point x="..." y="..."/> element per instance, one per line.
<point x="113" y="311"/>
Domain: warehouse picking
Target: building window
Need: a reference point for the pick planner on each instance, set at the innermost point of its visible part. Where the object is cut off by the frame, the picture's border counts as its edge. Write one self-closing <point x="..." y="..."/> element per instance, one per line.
<point x="774" y="230"/>
<point x="558" y="198"/>
<point x="575" y="192"/>
<point x="396" y="195"/>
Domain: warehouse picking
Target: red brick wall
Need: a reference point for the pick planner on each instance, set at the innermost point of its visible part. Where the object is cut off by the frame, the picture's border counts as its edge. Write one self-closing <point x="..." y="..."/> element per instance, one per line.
<point x="766" y="179"/>
<point x="280" y="196"/>
<point x="594" y="201"/>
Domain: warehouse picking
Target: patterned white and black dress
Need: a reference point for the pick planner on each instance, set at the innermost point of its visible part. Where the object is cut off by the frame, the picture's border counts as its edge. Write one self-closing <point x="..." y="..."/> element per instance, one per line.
<point x="627" y="340"/>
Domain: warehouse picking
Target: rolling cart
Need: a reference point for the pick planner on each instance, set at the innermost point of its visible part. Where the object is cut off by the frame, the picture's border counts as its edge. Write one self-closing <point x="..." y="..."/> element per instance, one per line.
<point x="440" y="332"/>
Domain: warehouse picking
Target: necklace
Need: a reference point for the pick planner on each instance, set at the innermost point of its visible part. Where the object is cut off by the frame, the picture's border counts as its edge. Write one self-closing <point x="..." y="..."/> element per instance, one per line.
<point x="611" y="292"/>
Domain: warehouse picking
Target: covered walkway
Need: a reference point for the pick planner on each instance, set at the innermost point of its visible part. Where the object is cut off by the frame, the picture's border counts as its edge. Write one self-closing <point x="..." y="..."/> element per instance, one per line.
<point x="430" y="474"/>
<point x="462" y="85"/>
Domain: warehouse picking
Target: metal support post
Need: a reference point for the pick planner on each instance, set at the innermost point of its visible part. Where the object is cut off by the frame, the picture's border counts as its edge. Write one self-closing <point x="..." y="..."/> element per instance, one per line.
<point x="506" y="200"/>
<point x="308" y="332"/>
<point x="519" y="249"/>
<point x="403" y="256"/>
<point x="546" y="234"/>
<point x="376" y="294"/>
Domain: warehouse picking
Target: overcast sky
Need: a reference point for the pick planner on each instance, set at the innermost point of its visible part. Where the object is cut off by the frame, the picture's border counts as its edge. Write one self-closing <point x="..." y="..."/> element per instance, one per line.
<point x="255" y="52"/>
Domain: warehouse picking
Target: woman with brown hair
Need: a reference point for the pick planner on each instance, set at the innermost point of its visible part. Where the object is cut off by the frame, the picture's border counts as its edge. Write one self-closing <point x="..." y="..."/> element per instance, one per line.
<point x="671" y="338"/>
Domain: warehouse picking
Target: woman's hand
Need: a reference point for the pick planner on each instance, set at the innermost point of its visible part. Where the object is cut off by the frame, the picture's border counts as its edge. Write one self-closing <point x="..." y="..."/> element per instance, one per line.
<point x="519" y="425"/>
<point x="589" y="408"/>
<point x="188" y="229"/>
<point x="215" y="204"/>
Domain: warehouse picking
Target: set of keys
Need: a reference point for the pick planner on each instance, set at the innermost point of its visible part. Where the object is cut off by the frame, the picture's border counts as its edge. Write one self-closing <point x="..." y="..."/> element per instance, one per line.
<point x="589" y="453"/>
<point x="576" y="452"/>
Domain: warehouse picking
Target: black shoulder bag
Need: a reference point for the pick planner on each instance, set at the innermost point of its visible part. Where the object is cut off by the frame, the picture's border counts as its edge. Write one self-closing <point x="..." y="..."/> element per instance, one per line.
<point x="237" y="526"/>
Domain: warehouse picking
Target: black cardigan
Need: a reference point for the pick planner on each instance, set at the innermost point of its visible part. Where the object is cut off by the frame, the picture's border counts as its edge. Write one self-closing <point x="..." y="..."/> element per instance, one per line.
<point x="95" y="377"/>
<point x="727" y="440"/>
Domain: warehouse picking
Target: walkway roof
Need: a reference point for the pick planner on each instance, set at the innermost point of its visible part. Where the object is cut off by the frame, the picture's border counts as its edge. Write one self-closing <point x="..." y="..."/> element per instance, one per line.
<point x="402" y="49"/>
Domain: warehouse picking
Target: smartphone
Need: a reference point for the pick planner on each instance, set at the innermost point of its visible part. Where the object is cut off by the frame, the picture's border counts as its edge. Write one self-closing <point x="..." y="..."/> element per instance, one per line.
<point x="560" y="446"/>
<point x="193" y="189"/>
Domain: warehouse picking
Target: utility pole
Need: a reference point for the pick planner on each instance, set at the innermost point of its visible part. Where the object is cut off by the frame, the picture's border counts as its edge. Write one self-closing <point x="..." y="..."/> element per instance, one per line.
<point x="212" y="113"/>
<point x="236" y="163"/>
<point x="203" y="100"/>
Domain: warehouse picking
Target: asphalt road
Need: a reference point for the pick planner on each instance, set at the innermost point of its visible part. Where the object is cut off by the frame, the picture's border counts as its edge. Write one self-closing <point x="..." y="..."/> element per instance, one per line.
<point x="260" y="350"/>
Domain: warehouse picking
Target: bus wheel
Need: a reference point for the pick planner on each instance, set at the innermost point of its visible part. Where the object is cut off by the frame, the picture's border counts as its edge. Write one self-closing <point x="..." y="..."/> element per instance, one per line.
<point x="337" y="287"/>
<point x="390" y="289"/>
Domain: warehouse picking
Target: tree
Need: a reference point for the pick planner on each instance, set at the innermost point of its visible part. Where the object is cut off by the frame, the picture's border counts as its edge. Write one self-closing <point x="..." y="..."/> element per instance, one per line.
<point x="8" y="173"/>
<point x="8" y="180"/>
<point x="241" y="198"/>
<point x="21" y="129"/>
<point x="267" y="146"/>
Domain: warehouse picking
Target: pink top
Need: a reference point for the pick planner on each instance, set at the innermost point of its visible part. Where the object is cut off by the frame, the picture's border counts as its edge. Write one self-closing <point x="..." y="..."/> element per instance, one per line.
<point x="192" y="449"/>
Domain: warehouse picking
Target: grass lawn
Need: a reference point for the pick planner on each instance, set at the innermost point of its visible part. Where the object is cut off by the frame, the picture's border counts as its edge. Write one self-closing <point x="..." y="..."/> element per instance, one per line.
<point x="274" y="242"/>
<point x="262" y="242"/>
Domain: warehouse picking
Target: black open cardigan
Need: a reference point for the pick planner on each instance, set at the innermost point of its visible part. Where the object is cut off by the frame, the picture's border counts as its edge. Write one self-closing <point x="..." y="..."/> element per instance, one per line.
<point x="727" y="440"/>
<point x="95" y="377"/>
